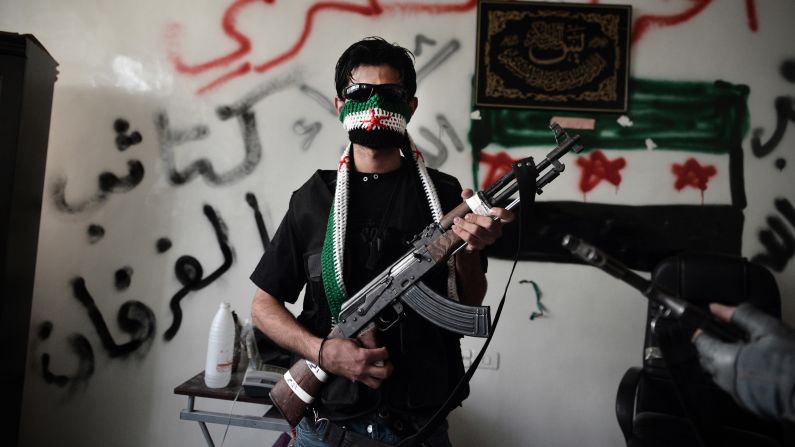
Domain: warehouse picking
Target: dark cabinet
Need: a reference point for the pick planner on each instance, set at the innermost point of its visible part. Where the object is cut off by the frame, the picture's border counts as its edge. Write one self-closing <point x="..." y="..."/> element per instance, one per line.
<point x="27" y="77"/>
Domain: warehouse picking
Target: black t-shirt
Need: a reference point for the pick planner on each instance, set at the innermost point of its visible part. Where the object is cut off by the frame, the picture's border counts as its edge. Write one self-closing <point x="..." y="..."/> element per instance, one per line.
<point x="385" y="212"/>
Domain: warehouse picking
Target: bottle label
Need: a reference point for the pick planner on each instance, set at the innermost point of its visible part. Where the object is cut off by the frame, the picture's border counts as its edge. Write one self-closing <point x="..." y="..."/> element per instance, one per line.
<point x="224" y="367"/>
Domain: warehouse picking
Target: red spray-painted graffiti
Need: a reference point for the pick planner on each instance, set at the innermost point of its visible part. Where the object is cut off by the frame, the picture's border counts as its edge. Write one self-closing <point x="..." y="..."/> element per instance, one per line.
<point x="644" y="22"/>
<point x="692" y="174"/>
<point x="750" y="10"/>
<point x="647" y="21"/>
<point x="597" y="167"/>
<point x="499" y="164"/>
<point x="229" y="25"/>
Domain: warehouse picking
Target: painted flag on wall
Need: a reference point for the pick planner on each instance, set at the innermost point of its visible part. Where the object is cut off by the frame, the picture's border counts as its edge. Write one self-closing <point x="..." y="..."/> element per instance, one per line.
<point x="664" y="177"/>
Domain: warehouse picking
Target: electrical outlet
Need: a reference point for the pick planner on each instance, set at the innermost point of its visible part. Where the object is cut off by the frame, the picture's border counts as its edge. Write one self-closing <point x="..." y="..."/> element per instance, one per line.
<point x="489" y="360"/>
<point x="466" y="356"/>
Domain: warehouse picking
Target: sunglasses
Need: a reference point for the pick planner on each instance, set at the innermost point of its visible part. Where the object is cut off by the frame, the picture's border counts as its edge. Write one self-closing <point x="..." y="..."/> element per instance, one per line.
<point x="363" y="92"/>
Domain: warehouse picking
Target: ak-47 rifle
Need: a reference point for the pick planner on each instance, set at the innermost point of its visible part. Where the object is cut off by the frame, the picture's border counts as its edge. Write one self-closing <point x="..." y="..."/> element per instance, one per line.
<point x="400" y="284"/>
<point x="692" y="317"/>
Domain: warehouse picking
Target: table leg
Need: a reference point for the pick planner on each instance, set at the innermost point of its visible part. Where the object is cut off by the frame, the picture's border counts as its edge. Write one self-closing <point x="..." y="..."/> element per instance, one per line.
<point x="202" y="425"/>
<point x="206" y="434"/>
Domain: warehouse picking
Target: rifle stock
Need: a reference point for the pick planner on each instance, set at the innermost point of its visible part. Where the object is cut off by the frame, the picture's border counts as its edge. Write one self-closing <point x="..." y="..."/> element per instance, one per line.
<point x="399" y="284"/>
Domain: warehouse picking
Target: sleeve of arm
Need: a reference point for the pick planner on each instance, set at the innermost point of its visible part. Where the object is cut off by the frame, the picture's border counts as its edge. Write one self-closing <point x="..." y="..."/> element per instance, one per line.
<point x="280" y="277"/>
<point x="280" y="271"/>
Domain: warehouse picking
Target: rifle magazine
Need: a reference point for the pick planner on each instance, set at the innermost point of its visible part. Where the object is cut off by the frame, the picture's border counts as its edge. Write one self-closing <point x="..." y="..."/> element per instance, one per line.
<point x="473" y="321"/>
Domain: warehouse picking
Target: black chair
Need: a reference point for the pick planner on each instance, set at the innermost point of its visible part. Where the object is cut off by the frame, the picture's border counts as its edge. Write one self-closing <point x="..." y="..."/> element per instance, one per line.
<point x="670" y="400"/>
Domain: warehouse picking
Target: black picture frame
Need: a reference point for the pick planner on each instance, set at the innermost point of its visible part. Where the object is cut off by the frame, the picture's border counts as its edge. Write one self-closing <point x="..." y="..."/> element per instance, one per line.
<point x="561" y="56"/>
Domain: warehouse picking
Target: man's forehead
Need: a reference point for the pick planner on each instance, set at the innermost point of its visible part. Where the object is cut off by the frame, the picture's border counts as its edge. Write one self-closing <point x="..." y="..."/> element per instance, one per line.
<point x="385" y="72"/>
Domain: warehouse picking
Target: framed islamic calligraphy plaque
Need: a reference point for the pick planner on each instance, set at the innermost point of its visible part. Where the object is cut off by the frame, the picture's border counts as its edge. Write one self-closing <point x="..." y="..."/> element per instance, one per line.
<point x="561" y="56"/>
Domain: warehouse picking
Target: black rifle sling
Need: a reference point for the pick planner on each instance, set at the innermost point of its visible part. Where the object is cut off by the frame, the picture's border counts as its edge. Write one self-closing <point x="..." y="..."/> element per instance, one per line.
<point x="526" y="173"/>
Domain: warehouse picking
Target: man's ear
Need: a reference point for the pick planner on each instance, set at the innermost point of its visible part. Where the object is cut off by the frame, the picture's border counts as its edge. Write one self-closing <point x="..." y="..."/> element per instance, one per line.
<point x="338" y="103"/>
<point x="413" y="103"/>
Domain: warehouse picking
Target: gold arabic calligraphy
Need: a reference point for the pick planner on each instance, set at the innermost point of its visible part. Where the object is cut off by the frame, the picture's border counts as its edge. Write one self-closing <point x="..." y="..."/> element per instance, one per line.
<point x="557" y="57"/>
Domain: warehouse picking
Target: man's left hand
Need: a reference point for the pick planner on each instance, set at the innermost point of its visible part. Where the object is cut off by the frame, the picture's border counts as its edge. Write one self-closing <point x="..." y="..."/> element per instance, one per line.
<point x="481" y="231"/>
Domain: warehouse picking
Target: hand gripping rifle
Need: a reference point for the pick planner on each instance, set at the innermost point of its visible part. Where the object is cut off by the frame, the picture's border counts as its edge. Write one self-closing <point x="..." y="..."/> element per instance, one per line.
<point x="692" y="317"/>
<point x="399" y="285"/>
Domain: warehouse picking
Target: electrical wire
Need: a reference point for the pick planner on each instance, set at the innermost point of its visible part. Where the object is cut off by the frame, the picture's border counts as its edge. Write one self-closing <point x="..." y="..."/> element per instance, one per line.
<point x="229" y="421"/>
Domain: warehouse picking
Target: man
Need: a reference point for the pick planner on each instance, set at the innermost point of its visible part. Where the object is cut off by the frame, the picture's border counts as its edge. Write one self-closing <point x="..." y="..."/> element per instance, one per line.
<point x="344" y="227"/>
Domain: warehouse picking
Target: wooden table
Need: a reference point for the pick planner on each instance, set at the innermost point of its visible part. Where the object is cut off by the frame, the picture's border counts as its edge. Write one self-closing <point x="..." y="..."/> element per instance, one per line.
<point x="195" y="387"/>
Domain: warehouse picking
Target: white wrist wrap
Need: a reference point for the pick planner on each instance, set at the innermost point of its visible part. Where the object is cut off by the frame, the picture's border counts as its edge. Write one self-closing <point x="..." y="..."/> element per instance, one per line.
<point x="477" y="206"/>
<point x="303" y="395"/>
<point x="317" y="371"/>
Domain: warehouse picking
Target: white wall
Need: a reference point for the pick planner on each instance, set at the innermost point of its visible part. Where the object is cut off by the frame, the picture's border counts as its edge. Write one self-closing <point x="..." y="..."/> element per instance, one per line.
<point x="557" y="375"/>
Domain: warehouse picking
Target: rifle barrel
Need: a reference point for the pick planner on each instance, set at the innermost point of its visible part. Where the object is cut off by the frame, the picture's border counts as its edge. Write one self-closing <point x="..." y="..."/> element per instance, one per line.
<point x="690" y="314"/>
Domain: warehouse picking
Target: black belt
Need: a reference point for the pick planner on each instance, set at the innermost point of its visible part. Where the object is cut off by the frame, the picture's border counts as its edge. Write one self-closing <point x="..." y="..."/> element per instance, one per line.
<point x="339" y="436"/>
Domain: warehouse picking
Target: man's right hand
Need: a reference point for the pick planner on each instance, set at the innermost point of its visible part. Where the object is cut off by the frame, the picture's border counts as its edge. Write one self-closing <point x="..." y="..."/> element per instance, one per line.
<point x="347" y="358"/>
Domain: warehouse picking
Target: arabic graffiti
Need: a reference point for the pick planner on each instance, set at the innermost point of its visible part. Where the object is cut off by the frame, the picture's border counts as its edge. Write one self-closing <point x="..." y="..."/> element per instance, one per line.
<point x="318" y="96"/>
<point x="95" y="233"/>
<point x="170" y="138"/>
<point x="645" y="22"/>
<point x="107" y="182"/>
<point x="81" y="347"/>
<point x="225" y="67"/>
<point x="123" y="140"/>
<point x="419" y="41"/>
<point x="438" y="59"/>
<point x="134" y="318"/>
<point x="163" y="244"/>
<point x="244" y="46"/>
<point x="778" y="239"/>
<point x="251" y="199"/>
<point x="190" y="273"/>
<point x="123" y="276"/>
<point x="785" y="113"/>
<point x="309" y="132"/>
<point x="438" y="159"/>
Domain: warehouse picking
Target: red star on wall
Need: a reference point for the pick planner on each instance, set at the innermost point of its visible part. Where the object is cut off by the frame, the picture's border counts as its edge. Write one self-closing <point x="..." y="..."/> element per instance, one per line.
<point x="691" y="173"/>
<point x="375" y="120"/>
<point x="498" y="165"/>
<point x="596" y="167"/>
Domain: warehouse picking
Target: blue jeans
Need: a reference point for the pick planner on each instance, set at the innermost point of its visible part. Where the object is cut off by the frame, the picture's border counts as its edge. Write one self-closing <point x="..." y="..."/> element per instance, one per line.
<point x="309" y="434"/>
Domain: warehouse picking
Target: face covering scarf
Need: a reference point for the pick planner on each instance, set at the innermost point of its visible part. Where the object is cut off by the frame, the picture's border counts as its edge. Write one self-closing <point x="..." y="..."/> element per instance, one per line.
<point x="375" y="123"/>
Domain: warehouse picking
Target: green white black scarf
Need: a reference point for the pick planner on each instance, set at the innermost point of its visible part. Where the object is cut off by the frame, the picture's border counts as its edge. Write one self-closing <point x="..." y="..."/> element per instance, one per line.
<point x="334" y="244"/>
